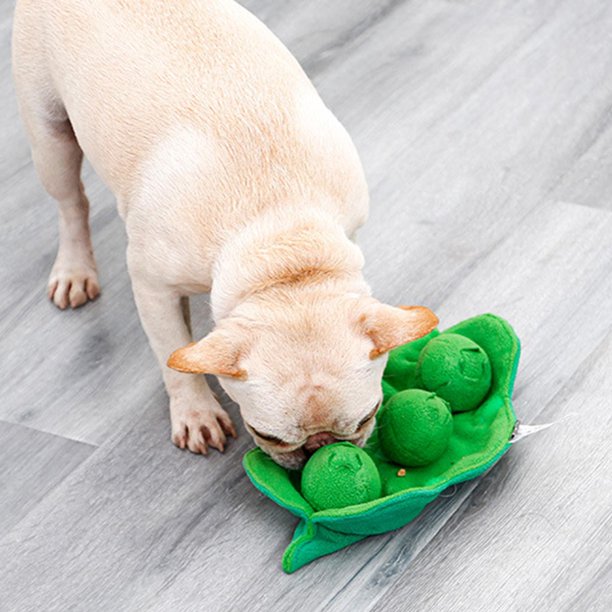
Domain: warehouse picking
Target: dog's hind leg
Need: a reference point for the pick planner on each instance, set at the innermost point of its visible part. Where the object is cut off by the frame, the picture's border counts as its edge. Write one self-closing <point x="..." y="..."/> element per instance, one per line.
<point x="57" y="158"/>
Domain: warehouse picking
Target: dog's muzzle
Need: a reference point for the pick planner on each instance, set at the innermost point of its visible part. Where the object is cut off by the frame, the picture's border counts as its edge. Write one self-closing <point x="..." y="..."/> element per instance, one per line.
<point x="318" y="440"/>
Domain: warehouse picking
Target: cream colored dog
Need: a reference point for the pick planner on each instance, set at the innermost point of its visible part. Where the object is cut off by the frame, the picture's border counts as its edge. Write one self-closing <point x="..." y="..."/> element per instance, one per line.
<point x="232" y="177"/>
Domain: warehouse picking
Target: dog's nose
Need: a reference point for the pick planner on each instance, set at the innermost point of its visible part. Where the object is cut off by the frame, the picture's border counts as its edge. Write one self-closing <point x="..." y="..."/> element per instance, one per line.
<point x="318" y="440"/>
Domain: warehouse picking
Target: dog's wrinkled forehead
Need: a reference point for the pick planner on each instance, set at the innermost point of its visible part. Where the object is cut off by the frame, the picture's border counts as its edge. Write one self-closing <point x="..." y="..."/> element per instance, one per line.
<point x="320" y="378"/>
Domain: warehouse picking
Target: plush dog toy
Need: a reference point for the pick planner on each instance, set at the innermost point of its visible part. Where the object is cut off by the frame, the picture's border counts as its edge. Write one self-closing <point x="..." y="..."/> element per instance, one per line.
<point x="446" y="418"/>
<point x="340" y="475"/>
<point x="415" y="427"/>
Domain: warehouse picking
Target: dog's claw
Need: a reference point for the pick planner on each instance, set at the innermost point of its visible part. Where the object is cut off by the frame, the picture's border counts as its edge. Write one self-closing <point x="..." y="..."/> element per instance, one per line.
<point x="180" y="438"/>
<point x="216" y="438"/>
<point x="227" y="425"/>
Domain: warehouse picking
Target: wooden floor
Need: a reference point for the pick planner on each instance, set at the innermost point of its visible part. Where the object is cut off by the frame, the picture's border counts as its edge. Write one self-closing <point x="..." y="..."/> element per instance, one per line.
<point x="486" y="132"/>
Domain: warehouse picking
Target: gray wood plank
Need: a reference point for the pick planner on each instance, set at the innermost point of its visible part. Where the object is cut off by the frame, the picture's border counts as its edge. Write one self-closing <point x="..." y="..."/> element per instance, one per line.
<point x="316" y="32"/>
<point x="120" y="529"/>
<point x="471" y="146"/>
<point x="589" y="181"/>
<point x="536" y="535"/>
<point x="32" y="464"/>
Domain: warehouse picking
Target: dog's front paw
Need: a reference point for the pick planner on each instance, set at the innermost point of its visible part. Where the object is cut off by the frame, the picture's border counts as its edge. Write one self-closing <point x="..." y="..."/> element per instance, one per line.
<point x="197" y="427"/>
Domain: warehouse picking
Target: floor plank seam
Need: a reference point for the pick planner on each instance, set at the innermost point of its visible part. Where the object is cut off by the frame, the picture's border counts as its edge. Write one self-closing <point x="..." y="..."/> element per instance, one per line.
<point x="363" y="567"/>
<point x="604" y="211"/>
<point x="50" y="433"/>
<point x="320" y="61"/>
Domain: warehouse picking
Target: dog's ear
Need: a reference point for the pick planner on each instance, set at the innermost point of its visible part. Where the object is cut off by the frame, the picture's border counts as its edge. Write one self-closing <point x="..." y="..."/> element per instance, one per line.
<point x="388" y="326"/>
<point x="217" y="353"/>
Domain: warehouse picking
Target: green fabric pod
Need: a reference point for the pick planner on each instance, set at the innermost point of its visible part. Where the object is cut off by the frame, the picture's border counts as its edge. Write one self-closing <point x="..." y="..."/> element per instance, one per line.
<point x="479" y="438"/>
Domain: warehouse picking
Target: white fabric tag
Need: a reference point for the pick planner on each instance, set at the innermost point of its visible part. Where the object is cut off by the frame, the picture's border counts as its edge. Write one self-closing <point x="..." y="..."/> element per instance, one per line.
<point x="522" y="431"/>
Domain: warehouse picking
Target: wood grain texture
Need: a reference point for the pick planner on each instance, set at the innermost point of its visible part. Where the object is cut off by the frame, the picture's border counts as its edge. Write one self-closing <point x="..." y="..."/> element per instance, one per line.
<point x="483" y="127"/>
<point x="589" y="181"/>
<point x="32" y="464"/>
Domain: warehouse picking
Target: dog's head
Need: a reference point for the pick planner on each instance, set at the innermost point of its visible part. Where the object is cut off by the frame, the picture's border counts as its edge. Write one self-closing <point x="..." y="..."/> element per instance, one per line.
<point x="306" y="372"/>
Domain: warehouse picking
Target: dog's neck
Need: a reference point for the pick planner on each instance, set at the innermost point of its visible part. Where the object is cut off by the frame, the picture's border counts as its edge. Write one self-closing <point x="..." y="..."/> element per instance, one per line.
<point x="291" y="249"/>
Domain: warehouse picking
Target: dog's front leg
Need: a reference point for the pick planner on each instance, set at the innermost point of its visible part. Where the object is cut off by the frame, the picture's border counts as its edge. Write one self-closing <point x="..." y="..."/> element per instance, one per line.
<point x="198" y="421"/>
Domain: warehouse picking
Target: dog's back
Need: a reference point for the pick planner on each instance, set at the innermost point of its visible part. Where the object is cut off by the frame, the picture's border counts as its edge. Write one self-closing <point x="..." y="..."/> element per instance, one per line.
<point x="186" y="92"/>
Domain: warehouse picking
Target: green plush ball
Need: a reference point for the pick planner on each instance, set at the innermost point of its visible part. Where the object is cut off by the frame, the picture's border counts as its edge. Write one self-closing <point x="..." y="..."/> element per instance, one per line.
<point x="414" y="427"/>
<point x="340" y="475"/>
<point x="457" y="369"/>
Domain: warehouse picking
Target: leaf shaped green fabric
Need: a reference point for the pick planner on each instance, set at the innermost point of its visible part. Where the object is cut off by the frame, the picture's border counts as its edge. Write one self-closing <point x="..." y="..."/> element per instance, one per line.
<point x="480" y="437"/>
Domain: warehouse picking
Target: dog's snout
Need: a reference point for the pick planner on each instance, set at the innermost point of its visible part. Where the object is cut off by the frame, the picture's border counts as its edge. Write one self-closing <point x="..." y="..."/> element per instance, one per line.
<point x="318" y="440"/>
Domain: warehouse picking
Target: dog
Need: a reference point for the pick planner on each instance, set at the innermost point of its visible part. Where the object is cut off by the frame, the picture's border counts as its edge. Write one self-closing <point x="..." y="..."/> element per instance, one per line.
<point x="232" y="177"/>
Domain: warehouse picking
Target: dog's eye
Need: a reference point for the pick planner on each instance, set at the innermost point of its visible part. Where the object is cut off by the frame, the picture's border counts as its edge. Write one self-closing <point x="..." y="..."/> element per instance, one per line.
<point x="369" y="416"/>
<point x="267" y="437"/>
